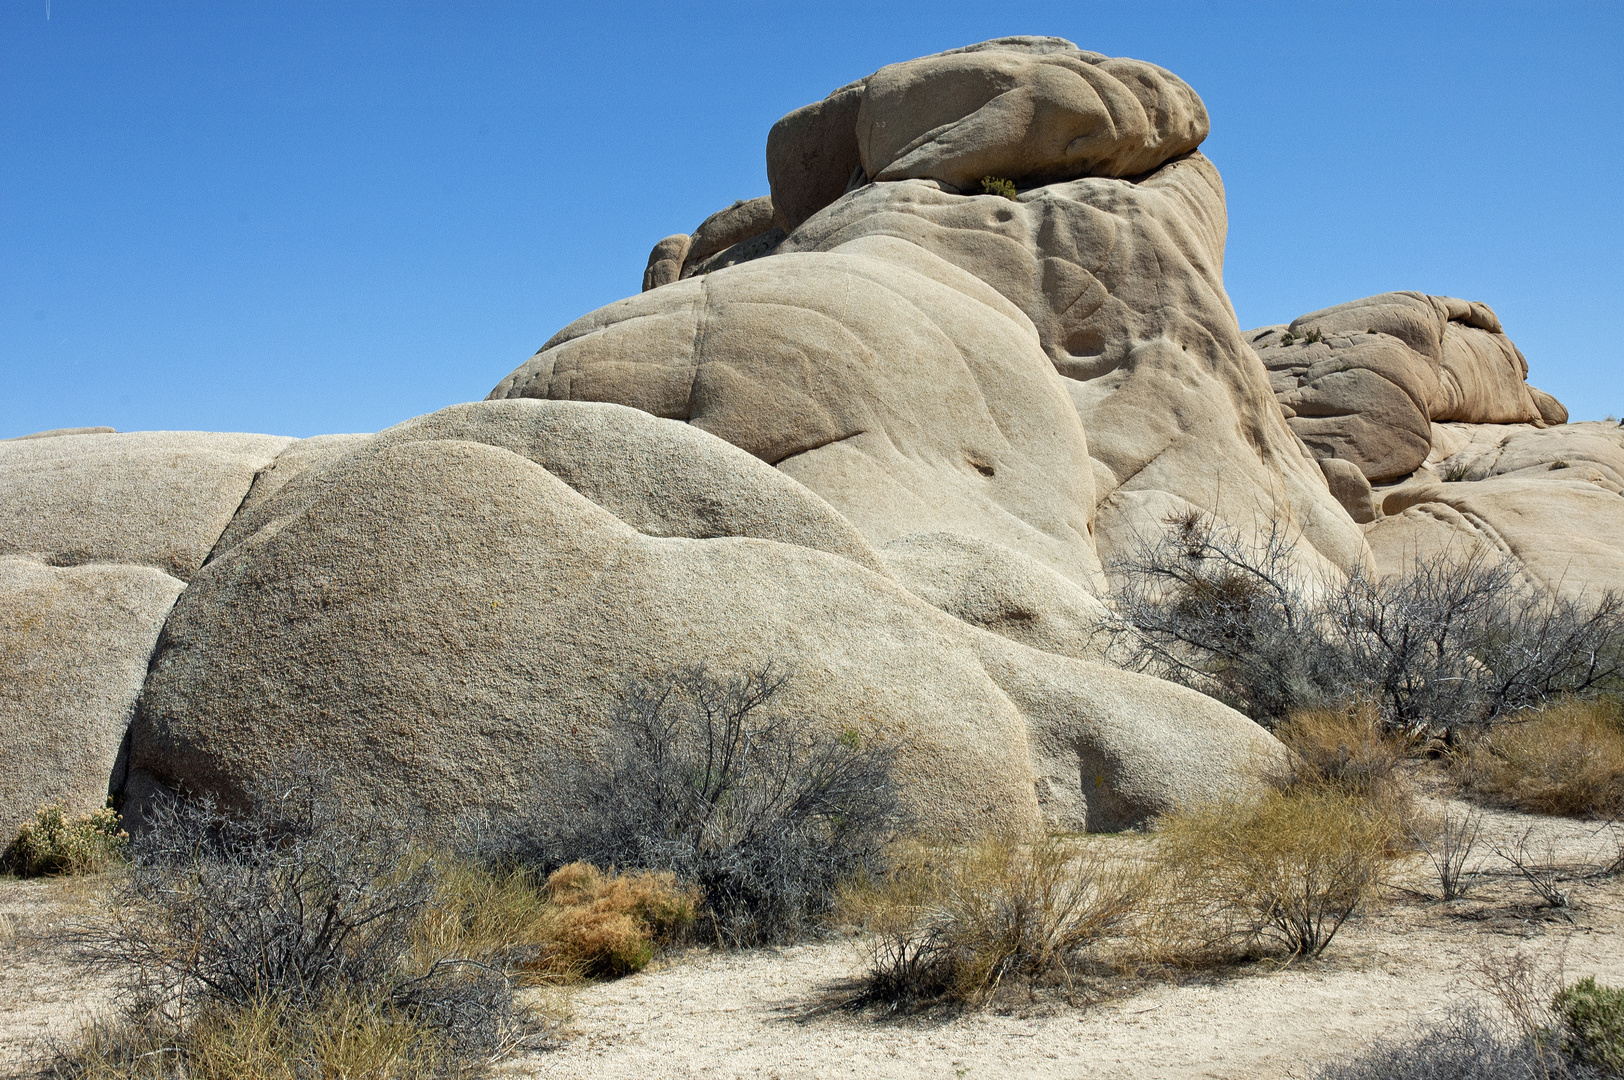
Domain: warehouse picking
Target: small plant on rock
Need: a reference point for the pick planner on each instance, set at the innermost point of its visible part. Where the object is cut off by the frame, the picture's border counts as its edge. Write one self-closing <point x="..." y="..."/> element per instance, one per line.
<point x="997" y="185"/>
<point x="1313" y="337"/>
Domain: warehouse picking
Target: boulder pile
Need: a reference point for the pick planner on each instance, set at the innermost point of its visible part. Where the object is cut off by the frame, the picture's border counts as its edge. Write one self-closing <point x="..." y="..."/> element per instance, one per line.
<point x="887" y="425"/>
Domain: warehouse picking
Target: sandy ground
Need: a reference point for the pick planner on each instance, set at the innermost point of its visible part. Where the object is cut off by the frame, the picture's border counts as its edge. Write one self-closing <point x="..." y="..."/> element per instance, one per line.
<point x="765" y="1013"/>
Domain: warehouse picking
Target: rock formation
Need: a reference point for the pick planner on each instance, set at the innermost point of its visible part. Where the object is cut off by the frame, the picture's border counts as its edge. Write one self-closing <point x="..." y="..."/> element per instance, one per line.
<point x="881" y="425"/>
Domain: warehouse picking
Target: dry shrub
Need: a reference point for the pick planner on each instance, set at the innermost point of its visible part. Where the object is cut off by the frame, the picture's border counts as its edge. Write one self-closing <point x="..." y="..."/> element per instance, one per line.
<point x="1466" y="1044"/>
<point x="705" y="775"/>
<point x="499" y="917"/>
<point x="958" y="924"/>
<point x="1349" y="750"/>
<point x="345" y="1034"/>
<point x="1281" y="873"/>
<point x="610" y="924"/>
<point x="582" y="922"/>
<point x="1453" y="645"/>
<point x="55" y="844"/>
<point x="255" y="926"/>
<point x="1567" y="759"/>
<point x="1346" y="746"/>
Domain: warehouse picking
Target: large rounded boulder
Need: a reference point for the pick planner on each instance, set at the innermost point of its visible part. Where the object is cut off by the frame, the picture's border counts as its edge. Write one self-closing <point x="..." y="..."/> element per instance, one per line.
<point x="450" y="624"/>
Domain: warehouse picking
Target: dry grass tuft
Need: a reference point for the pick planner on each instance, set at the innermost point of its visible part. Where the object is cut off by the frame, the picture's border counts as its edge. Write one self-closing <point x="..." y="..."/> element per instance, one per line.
<point x="1348" y="751"/>
<point x="1567" y="759"/>
<point x="610" y="924"/>
<point x="346" y="1034"/>
<point x="582" y="923"/>
<point x="958" y="924"/>
<point x="1346" y="747"/>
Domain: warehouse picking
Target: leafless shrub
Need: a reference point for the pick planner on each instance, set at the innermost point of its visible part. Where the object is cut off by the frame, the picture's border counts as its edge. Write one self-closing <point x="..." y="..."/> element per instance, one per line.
<point x="1541" y="869"/>
<point x="1452" y="645"/>
<point x="1449" y="843"/>
<point x="758" y="809"/>
<point x="300" y="901"/>
<point x="1466" y="1045"/>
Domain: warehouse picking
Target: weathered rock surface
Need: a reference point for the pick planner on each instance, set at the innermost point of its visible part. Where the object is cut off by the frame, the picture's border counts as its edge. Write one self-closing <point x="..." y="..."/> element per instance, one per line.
<point x="54" y="432"/>
<point x="1549" y="499"/>
<point x="1388" y="366"/>
<point x="665" y="261"/>
<point x="1029" y="109"/>
<point x="874" y="426"/>
<point x="74" y="647"/>
<point x="1000" y="590"/>
<point x="447" y="620"/>
<point x="904" y="391"/>
<point x="150" y="498"/>
<point x="733" y="235"/>
<point x="1123" y="282"/>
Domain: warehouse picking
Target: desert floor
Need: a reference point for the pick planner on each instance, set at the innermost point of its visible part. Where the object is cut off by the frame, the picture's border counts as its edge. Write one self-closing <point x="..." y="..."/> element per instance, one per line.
<point x="766" y="1013"/>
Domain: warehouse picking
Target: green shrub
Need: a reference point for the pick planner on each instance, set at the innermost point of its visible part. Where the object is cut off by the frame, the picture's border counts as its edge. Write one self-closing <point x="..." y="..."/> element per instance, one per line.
<point x="55" y="844"/>
<point x="997" y="185"/>
<point x="1288" y="338"/>
<point x="1313" y="337"/>
<point x="1593" y="1024"/>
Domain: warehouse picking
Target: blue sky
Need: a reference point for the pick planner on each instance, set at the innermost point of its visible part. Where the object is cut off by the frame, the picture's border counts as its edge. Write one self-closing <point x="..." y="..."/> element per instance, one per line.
<point x="299" y="218"/>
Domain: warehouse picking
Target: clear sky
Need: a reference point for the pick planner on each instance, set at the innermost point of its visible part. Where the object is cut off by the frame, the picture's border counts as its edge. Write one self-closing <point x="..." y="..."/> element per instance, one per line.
<point x="299" y="218"/>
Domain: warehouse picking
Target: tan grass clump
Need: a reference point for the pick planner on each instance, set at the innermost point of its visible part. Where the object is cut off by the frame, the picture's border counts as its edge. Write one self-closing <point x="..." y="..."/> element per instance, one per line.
<point x="346" y="1034"/>
<point x="1278" y="874"/>
<point x="1344" y="746"/>
<point x="611" y="923"/>
<point x="957" y="924"/>
<point x="1567" y="759"/>
<point x="54" y="844"/>
<point x="582" y="922"/>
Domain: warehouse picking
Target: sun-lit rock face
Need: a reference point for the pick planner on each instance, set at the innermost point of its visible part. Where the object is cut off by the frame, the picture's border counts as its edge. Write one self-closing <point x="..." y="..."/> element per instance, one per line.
<point x="1364" y="381"/>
